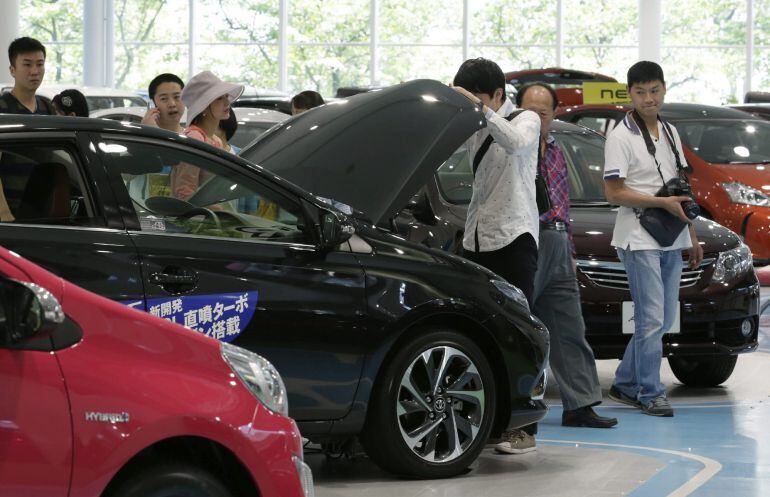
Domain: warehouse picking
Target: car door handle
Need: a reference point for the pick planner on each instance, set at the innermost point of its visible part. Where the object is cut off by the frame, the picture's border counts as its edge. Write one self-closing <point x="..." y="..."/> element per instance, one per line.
<point x="173" y="279"/>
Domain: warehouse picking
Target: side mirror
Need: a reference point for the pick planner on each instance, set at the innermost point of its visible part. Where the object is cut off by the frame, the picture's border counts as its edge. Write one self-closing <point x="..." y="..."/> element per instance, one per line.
<point x="335" y="229"/>
<point x="419" y="206"/>
<point x="28" y="310"/>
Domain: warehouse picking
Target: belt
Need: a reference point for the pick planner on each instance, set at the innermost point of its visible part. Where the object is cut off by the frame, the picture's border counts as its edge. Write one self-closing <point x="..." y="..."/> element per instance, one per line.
<point x="554" y="225"/>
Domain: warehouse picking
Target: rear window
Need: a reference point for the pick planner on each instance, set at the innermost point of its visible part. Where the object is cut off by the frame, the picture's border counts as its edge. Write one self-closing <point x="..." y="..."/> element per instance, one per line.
<point x="42" y="184"/>
<point x="584" y="153"/>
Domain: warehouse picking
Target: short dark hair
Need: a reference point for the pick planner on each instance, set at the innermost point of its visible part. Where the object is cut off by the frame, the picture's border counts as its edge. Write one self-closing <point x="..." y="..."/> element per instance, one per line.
<point x="71" y="101"/>
<point x="229" y="125"/>
<point x="644" y="71"/>
<point x="25" y="44"/>
<point x="158" y="80"/>
<point x="480" y="76"/>
<point x="527" y="86"/>
<point x="307" y="100"/>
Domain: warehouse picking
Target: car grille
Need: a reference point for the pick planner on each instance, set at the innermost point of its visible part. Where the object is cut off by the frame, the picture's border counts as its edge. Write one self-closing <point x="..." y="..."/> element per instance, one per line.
<point x="613" y="274"/>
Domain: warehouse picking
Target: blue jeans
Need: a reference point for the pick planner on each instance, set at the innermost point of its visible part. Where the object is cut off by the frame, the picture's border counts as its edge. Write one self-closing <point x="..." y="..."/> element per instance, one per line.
<point x="653" y="276"/>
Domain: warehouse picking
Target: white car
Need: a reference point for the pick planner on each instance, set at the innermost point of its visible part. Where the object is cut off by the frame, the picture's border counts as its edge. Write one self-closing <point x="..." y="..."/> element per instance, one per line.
<point x="97" y="97"/>
<point x="251" y="122"/>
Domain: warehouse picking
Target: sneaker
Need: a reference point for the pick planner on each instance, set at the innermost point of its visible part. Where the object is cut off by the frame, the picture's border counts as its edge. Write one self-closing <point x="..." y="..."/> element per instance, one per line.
<point x="659" y="406"/>
<point x="516" y="442"/>
<point x="619" y="396"/>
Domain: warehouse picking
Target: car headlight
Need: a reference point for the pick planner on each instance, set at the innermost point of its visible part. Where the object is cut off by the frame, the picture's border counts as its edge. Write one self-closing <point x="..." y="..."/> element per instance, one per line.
<point x="511" y="291"/>
<point x="732" y="263"/>
<point x="259" y="376"/>
<point x="744" y="194"/>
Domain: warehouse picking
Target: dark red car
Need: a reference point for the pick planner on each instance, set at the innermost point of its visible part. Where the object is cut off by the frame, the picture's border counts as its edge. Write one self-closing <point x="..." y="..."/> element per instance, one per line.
<point x="568" y="83"/>
<point x="99" y="399"/>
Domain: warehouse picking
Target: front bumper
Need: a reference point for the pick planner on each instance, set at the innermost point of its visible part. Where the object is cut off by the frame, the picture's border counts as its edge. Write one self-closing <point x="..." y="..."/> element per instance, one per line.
<point x="711" y="322"/>
<point x="525" y="344"/>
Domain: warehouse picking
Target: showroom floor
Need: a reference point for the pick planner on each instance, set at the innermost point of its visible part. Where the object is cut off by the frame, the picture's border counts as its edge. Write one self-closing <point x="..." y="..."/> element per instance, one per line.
<point x="718" y="444"/>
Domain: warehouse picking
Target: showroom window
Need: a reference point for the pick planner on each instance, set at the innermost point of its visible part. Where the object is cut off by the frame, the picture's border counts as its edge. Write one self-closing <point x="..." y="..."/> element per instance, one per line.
<point x="149" y="35"/>
<point x="704" y="50"/>
<point x="607" y="44"/>
<point x="414" y="36"/>
<point x="501" y="33"/>
<point x="59" y="25"/>
<point x="712" y="51"/>
<point x="238" y="41"/>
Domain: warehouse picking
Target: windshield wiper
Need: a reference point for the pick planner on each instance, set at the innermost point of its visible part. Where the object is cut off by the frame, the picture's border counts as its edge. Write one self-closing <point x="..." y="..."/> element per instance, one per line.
<point x="766" y="161"/>
<point x="589" y="202"/>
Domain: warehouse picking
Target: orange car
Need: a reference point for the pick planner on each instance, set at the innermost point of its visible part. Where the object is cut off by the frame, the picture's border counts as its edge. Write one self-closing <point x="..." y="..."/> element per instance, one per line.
<point x="728" y="152"/>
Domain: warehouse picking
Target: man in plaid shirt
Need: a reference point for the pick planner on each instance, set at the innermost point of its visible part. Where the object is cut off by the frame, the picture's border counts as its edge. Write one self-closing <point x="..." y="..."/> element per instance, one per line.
<point x="556" y="297"/>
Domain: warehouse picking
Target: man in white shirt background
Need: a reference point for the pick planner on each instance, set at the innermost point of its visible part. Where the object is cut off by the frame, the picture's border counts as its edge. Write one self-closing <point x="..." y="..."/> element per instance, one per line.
<point x="632" y="177"/>
<point x="502" y="226"/>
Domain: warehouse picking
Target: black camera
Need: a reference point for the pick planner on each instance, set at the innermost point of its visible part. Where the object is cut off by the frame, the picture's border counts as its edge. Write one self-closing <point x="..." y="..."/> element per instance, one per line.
<point x="676" y="187"/>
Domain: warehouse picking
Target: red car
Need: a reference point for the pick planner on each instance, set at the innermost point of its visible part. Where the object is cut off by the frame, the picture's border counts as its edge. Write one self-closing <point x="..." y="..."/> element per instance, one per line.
<point x="728" y="152"/>
<point x="102" y="400"/>
<point x="568" y="83"/>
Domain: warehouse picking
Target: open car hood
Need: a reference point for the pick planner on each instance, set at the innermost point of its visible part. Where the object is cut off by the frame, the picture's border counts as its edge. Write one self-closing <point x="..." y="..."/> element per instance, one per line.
<point x="372" y="151"/>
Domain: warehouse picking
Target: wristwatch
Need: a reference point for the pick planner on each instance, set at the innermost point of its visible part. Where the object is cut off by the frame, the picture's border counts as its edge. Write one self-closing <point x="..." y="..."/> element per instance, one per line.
<point x="480" y="105"/>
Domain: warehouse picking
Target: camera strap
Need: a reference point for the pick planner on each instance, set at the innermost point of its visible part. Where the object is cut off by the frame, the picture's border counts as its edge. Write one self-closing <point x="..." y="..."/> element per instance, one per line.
<point x="651" y="146"/>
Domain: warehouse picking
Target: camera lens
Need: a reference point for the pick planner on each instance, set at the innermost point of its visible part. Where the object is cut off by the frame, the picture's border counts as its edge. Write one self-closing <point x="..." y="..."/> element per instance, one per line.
<point x="691" y="209"/>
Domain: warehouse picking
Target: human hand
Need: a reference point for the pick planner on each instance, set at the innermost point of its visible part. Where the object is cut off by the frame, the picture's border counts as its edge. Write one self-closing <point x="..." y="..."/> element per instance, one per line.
<point x="674" y="206"/>
<point x="151" y="117"/>
<point x="184" y="192"/>
<point x="462" y="91"/>
<point x="695" y="252"/>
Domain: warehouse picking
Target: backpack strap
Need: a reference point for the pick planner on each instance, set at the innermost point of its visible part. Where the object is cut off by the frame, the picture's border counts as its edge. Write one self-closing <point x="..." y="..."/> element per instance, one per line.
<point x="485" y="146"/>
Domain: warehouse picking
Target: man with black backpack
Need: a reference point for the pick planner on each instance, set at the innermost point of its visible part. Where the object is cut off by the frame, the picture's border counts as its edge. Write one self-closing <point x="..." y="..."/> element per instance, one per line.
<point x="644" y="175"/>
<point x="27" y="57"/>
<point x="501" y="228"/>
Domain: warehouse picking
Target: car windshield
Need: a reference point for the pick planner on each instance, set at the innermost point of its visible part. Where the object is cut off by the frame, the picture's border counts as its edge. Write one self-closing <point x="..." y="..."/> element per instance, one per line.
<point x="584" y="153"/>
<point x="727" y="141"/>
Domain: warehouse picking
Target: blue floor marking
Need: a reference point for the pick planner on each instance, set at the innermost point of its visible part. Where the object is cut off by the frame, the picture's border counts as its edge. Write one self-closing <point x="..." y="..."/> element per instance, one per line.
<point x="736" y="436"/>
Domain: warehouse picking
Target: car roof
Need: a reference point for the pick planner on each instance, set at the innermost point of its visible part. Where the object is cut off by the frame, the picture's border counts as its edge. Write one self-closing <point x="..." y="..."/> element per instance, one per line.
<point x="555" y="75"/>
<point x="565" y="127"/>
<point x="674" y="111"/>
<point x="695" y="111"/>
<point x="51" y="91"/>
<point x="10" y="123"/>
<point x="134" y="111"/>
<point x="258" y="114"/>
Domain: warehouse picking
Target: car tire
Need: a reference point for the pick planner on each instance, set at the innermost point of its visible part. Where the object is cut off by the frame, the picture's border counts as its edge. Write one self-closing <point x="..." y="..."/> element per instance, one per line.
<point x="432" y="408"/>
<point x="703" y="371"/>
<point x="172" y="480"/>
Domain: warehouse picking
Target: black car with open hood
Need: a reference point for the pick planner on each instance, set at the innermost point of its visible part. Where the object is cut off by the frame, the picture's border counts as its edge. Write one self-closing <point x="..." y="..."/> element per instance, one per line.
<point x="719" y="299"/>
<point x="420" y="353"/>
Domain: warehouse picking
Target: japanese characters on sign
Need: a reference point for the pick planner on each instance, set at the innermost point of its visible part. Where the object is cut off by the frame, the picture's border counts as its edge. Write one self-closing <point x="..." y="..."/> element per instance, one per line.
<point x="220" y="316"/>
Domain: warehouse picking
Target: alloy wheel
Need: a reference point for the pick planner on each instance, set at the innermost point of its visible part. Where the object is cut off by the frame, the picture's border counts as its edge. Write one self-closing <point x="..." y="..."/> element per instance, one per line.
<point x="440" y="404"/>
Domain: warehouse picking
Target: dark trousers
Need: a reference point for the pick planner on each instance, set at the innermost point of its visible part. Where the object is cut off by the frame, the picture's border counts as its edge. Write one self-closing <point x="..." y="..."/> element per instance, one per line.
<point x="516" y="263"/>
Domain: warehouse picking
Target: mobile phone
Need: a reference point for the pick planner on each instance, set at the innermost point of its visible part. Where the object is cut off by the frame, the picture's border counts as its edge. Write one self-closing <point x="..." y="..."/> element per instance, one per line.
<point x="150" y="104"/>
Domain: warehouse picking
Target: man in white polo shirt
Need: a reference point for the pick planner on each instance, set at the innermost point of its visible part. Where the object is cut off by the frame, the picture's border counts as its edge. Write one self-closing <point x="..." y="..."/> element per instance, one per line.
<point x="632" y="177"/>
